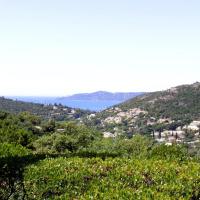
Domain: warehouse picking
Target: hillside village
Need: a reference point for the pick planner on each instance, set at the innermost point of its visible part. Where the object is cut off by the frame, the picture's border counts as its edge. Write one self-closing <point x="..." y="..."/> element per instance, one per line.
<point x="170" y="116"/>
<point x="189" y="133"/>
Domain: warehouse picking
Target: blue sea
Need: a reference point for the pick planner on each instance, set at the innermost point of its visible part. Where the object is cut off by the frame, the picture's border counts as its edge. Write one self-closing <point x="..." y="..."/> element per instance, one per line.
<point x="82" y="104"/>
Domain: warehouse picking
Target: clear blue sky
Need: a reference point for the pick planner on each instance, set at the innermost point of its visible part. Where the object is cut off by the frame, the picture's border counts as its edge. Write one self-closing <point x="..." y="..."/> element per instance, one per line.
<point x="60" y="47"/>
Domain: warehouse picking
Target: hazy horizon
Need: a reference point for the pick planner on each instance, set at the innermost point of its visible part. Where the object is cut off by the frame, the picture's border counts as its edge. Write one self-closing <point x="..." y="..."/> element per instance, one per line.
<point x="67" y="95"/>
<point x="59" y="48"/>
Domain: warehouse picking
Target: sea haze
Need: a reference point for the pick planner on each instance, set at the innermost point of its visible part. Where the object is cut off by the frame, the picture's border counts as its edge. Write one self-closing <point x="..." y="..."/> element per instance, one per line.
<point x="96" y="101"/>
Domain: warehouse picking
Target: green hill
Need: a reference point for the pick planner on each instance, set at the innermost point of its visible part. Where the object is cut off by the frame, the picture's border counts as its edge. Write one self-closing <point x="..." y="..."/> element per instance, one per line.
<point x="182" y="102"/>
<point x="156" y="111"/>
<point x="57" y="112"/>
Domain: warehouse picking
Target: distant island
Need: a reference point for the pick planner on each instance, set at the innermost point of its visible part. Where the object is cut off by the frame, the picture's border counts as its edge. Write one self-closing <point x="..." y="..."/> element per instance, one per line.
<point x="102" y="96"/>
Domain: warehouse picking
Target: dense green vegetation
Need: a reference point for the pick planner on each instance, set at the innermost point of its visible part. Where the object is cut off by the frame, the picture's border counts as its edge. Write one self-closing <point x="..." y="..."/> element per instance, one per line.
<point x="64" y="160"/>
<point x="119" y="178"/>
<point x="141" y="171"/>
<point x="19" y="129"/>
<point x="71" y="139"/>
<point x="45" y="158"/>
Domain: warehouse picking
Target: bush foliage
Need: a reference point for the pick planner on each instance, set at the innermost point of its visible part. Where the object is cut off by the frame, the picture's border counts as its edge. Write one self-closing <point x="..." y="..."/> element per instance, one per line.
<point x="119" y="178"/>
<point x="51" y="160"/>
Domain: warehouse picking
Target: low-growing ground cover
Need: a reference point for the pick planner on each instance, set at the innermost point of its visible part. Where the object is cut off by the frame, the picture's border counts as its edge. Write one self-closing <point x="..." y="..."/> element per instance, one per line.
<point x="112" y="178"/>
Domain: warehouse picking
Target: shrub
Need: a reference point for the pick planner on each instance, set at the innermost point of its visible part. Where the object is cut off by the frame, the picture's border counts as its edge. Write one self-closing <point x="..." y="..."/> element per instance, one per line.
<point x="73" y="138"/>
<point x="11" y="150"/>
<point x="136" y="147"/>
<point x="11" y="170"/>
<point x="119" y="178"/>
<point x="174" y="152"/>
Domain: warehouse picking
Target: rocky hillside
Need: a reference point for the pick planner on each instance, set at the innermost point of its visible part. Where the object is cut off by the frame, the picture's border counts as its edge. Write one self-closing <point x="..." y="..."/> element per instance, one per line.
<point x="57" y="112"/>
<point x="174" y="109"/>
